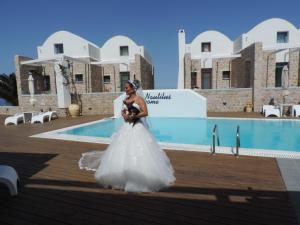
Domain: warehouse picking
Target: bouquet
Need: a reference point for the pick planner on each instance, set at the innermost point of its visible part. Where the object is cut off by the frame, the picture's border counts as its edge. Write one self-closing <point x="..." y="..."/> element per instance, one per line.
<point x="131" y="111"/>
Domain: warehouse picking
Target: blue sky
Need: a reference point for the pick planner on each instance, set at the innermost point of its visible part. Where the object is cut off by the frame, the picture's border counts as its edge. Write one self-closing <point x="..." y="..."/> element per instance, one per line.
<point x="26" y="24"/>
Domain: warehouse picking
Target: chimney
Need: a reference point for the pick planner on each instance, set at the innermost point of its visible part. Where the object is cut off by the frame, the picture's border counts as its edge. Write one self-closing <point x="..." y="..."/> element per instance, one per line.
<point x="181" y="48"/>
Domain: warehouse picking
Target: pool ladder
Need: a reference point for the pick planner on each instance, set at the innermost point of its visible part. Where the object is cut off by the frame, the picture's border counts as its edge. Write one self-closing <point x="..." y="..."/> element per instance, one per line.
<point x="215" y="135"/>
<point x="237" y="141"/>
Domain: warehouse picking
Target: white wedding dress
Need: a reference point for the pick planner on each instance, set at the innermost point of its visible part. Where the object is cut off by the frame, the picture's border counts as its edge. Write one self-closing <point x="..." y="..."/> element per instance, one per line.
<point x="133" y="161"/>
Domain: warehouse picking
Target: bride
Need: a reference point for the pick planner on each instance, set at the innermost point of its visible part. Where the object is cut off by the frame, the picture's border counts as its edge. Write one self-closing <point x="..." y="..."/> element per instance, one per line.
<point x="133" y="161"/>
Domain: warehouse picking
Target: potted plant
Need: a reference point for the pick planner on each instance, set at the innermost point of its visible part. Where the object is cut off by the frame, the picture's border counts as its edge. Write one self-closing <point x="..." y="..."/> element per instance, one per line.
<point x="249" y="107"/>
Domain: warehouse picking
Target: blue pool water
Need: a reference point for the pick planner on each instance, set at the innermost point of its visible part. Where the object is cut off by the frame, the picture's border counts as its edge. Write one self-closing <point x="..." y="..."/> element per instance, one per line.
<point x="257" y="134"/>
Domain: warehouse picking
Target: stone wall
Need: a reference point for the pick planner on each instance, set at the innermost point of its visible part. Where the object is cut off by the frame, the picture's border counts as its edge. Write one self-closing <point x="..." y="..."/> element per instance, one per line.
<point x="96" y="79"/>
<point x="243" y="68"/>
<point x="266" y="94"/>
<point x="140" y="69"/>
<point x="93" y="76"/>
<point x="187" y="70"/>
<point x="145" y="73"/>
<point x="220" y="100"/>
<point x="9" y="110"/>
<point x="299" y="70"/>
<point x="111" y="70"/>
<point x="81" y="68"/>
<point x="92" y="103"/>
<point x="259" y="71"/>
<point x="219" y="65"/>
<point x="235" y="99"/>
<point x="226" y="100"/>
<point x="98" y="103"/>
<point x="43" y="102"/>
<point x="294" y="61"/>
<point x="268" y="78"/>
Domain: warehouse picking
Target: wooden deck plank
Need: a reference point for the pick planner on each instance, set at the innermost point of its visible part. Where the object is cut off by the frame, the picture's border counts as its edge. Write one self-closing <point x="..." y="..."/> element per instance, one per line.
<point x="209" y="189"/>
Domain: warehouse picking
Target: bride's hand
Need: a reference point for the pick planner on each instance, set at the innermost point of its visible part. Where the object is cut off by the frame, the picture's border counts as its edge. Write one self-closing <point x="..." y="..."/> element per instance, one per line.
<point x="126" y="117"/>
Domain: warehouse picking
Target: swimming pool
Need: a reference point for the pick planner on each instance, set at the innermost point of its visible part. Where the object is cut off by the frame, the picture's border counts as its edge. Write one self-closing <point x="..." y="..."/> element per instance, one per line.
<point x="264" y="134"/>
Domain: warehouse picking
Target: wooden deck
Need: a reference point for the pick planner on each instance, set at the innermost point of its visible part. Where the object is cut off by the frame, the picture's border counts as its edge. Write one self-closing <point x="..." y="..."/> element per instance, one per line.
<point x="209" y="189"/>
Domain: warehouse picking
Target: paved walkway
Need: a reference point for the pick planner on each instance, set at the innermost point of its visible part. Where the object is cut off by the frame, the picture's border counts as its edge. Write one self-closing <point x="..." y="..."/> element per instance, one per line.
<point x="290" y="171"/>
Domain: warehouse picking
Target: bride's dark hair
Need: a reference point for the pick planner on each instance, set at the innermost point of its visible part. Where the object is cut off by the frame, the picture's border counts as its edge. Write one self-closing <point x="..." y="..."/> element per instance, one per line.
<point x="132" y="84"/>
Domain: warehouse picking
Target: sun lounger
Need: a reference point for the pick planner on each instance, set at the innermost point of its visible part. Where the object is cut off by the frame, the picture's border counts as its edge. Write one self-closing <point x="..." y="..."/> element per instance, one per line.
<point x="44" y="116"/>
<point x="271" y="111"/>
<point x="296" y="110"/>
<point x="10" y="178"/>
<point x="265" y="107"/>
<point x="17" y="118"/>
<point x="51" y="115"/>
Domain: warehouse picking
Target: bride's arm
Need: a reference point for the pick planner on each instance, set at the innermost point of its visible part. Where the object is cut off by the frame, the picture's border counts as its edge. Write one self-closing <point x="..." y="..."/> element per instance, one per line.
<point x="143" y="107"/>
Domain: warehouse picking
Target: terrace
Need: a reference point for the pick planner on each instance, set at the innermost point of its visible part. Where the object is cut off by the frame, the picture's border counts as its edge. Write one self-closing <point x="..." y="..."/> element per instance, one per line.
<point x="218" y="189"/>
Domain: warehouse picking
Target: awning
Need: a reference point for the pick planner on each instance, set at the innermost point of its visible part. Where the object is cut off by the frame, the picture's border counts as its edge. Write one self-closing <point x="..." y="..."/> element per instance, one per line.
<point x="117" y="61"/>
<point x="216" y="56"/>
<point x="45" y="61"/>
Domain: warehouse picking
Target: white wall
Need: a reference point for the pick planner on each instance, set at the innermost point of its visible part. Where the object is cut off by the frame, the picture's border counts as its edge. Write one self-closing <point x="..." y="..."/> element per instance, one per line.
<point x="283" y="56"/>
<point x="74" y="46"/>
<point x="220" y="45"/>
<point x="238" y="43"/>
<point x="266" y="32"/>
<point x="77" y="47"/>
<point x="94" y="52"/>
<point x="110" y="51"/>
<point x="179" y="103"/>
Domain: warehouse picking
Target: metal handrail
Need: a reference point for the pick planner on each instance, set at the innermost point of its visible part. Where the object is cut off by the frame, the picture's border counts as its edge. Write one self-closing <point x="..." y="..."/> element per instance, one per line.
<point x="238" y="141"/>
<point x="215" y="135"/>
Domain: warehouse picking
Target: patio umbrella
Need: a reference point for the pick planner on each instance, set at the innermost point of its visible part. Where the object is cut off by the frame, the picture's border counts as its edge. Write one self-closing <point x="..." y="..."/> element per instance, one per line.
<point x="285" y="83"/>
<point x="31" y="88"/>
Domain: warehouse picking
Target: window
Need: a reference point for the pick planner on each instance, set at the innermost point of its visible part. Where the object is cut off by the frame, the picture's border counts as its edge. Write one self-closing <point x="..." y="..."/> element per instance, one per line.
<point x="106" y="79"/>
<point x="124" y="51"/>
<point x="283" y="37"/>
<point x="205" y="47"/>
<point x="58" y="48"/>
<point x="78" y="78"/>
<point x="226" y="75"/>
<point x="46" y="80"/>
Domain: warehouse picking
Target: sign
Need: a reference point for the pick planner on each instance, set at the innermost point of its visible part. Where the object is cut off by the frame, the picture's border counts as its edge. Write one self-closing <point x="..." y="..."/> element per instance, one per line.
<point x="169" y="103"/>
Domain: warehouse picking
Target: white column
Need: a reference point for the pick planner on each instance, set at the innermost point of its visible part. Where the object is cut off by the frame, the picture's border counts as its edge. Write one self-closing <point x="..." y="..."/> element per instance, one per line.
<point x="181" y="48"/>
<point x="63" y="93"/>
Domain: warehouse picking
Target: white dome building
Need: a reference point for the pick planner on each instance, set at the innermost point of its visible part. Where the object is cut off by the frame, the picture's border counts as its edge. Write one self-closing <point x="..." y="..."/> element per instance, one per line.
<point x="121" y="48"/>
<point x="88" y="70"/>
<point x="66" y="43"/>
<point x="204" y="48"/>
<point x="273" y="33"/>
<point x="250" y="66"/>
